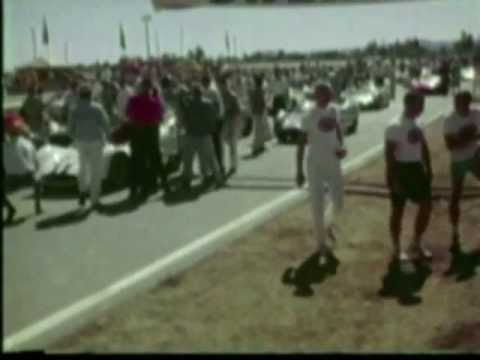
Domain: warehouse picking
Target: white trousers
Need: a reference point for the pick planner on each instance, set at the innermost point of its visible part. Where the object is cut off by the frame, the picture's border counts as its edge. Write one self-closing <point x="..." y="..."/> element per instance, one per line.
<point x="91" y="168"/>
<point x="202" y="145"/>
<point x="322" y="176"/>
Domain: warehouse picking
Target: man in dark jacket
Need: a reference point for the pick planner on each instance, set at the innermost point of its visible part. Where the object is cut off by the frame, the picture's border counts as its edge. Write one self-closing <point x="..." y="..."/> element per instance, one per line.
<point x="199" y="121"/>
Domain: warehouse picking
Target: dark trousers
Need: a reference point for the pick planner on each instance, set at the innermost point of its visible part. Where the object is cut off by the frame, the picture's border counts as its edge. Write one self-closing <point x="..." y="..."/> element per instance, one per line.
<point x="218" y="145"/>
<point x="146" y="160"/>
<point x="7" y="203"/>
<point x="14" y="182"/>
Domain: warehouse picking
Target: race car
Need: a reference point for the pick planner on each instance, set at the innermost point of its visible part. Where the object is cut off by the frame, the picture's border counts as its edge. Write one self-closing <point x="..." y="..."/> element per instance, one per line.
<point x="287" y="124"/>
<point x="57" y="160"/>
<point x="431" y="84"/>
<point x="370" y="96"/>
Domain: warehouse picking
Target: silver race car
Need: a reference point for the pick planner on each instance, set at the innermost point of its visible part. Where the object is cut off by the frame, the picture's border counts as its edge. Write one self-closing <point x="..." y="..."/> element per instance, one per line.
<point x="287" y="124"/>
<point x="370" y="96"/>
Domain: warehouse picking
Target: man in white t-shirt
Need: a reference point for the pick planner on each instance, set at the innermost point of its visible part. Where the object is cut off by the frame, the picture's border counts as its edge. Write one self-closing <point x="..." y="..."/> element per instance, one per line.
<point x="462" y="135"/>
<point x="322" y="131"/>
<point x="408" y="175"/>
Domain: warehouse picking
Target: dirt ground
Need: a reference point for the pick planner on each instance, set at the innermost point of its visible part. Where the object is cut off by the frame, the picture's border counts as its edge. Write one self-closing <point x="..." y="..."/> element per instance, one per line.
<point x="264" y="293"/>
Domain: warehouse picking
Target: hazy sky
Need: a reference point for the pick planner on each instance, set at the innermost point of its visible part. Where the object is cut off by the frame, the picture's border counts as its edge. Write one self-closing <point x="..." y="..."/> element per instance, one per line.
<point x="91" y="26"/>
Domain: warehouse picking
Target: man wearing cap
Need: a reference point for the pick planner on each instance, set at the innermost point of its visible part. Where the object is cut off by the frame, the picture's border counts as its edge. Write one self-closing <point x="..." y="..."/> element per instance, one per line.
<point x="322" y="131"/>
<point x="408" y="175"/>
<point x="89" y="127"/>
<point x="462" y="136"/>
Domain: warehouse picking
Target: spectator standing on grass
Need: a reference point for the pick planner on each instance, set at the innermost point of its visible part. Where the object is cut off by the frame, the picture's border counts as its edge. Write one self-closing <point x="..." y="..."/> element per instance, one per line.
<point x="409" y="175"/>
<point x="462" y="136"/>
<point x="89" y="127"/>
<point x="322" y="131"/>
<point x="145" y="112"/>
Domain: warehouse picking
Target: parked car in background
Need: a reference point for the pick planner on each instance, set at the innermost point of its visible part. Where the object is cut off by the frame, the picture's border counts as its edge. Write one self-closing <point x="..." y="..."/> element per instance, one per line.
<point x="287" y="124"/>
<point x="58" y="160"/>
<point x="371" y="95"/>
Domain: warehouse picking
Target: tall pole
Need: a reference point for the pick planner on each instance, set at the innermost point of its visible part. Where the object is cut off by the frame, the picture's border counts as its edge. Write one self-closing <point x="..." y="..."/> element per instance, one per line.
<point x="34" y="42"/>
<point x="67" y="60"/>
<point x="181" y="41"/>
<point x="146" y="20"/>
<point x="157" y="44"/>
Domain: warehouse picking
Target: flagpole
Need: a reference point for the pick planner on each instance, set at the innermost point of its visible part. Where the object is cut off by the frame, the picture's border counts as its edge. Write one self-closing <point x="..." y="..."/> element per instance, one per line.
<point x="157" y="45"/>
<point x="66" y="53"/>
<point x="34" y="42"/>
<point x="181" y="41"/>
<point x="46" y="39"/>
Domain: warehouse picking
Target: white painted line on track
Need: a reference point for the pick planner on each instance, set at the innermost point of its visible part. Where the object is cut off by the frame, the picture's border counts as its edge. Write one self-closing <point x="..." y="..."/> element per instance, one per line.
<point x="162" y="268"/>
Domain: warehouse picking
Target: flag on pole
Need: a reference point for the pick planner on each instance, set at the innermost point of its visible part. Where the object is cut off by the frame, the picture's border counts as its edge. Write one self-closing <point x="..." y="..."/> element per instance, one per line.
<point x="45" y="38"/>
<point x="227" y="42"/>
<point x="123" y="44"/>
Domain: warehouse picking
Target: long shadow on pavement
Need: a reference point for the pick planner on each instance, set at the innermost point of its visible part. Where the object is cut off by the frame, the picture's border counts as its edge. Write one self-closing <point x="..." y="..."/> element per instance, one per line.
<point x="69" y="218"/>
<point x="464" y="264"/>
<point x="259" y="187"/>
<point x="403" y="285"/>
<point x="180" y="195"/>
<point x="309" y="273"/>
<point x="119" y="207"/>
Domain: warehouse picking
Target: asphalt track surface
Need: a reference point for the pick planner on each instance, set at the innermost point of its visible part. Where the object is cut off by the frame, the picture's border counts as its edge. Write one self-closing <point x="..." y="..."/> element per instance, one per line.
<point x="53" y="260"/>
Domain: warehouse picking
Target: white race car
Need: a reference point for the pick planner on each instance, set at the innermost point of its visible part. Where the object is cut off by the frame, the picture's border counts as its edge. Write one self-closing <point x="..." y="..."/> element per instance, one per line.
<point x="287" y="124"/>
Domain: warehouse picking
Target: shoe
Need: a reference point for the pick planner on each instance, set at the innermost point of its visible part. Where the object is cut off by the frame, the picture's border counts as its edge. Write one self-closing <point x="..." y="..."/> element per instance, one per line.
<point x="420" y="251"/>
<point x="404" y="257"/>
<point x="232" y="171"/>
<point x="82" y="198"/>
<point x="207" y="181"/>
<point x="220" y="183"/>
<point x="97" y="206"/>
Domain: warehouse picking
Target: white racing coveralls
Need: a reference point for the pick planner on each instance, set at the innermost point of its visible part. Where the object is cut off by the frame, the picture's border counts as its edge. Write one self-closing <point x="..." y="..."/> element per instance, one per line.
<point x="323" y="169"/>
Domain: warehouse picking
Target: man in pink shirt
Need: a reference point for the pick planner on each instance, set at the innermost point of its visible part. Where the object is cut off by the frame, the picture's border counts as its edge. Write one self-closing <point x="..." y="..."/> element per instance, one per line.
<point x="145" y="112"/>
